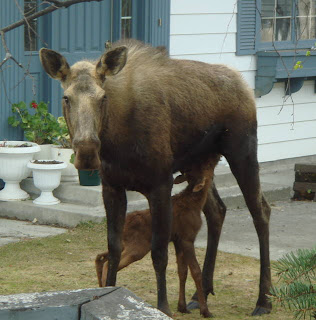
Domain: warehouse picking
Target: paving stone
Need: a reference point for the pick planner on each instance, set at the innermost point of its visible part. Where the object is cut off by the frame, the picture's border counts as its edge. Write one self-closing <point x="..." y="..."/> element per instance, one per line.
<point x="120" y="304"/>
<point x="59" y="305"/>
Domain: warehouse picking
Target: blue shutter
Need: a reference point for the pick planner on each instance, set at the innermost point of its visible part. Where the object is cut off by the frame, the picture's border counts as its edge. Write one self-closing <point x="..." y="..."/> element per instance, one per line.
<point x="246" y="27"/>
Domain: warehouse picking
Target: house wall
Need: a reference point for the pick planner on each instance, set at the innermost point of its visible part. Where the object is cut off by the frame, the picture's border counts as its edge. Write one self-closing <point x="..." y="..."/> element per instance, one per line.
<point x="206" y="31"/>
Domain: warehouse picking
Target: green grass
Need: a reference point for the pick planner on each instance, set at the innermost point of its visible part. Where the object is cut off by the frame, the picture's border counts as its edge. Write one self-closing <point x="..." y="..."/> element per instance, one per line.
<point x="67" y="262"/>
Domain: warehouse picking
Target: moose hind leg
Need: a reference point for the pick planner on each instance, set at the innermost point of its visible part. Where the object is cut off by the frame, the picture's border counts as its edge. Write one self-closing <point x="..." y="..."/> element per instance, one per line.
<point x="245" y="167"/>
<point x="214" y="210"/>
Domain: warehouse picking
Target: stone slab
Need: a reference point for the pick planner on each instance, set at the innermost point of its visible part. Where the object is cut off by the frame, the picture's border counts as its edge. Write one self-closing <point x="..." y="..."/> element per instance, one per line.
<point x="120" y="304"/>
<point x="59" y="305"/>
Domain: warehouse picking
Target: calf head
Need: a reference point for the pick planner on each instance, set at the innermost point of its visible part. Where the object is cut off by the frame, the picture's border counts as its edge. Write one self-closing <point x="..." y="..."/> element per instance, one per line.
<point x="84" y="102"/>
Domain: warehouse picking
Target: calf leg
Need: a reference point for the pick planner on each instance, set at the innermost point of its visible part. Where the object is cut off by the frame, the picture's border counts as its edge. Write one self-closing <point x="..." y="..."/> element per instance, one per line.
<point x="115" y="205"/>
<point x="245" y="168"/>
<point x="182" y="273"/>
<point x="161" y="211"/>
<point x="99" y="262"/>
<point x="214" y="210"/>
<point x="127" y="258"/>
<point x="190" y="258"/>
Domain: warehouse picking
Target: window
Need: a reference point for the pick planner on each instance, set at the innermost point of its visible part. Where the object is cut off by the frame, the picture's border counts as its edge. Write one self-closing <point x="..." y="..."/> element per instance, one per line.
<point x="287" y="20"/>
<point x="30" y="30"/>
<point x="126" y="19"/>
<point x="275" y="24"/>
<point x="279" y="32"/>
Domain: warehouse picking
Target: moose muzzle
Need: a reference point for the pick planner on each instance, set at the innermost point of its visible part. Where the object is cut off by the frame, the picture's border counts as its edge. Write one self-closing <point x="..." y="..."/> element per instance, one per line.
<point x="87" y="154"/>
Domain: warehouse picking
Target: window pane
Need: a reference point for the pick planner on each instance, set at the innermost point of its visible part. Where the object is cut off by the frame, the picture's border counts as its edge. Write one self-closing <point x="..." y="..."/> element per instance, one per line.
<point x="305" y="19"/>
<point x="30" y="38"/>
<point x="303" y="7"/>
<point x="283" y="29"/>
<point x="283" y="8"/>
<point x="266" y="30"/>
<point x="267" y="8"/>
<point x="126" y="28"/>
<point x="126" y="8"/>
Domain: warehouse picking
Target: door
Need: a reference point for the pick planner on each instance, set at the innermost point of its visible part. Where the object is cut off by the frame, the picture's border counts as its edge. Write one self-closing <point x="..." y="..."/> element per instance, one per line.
<point x="78" y="32"/>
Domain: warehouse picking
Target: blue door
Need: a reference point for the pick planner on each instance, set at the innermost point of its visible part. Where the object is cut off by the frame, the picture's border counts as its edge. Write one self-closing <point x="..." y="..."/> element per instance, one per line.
<point x="77" y="32"/>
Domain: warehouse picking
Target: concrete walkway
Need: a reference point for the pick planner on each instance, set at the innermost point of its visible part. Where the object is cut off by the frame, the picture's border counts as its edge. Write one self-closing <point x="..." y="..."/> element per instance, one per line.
<point x="14" y="231"/>
<point x="292" y="227"/>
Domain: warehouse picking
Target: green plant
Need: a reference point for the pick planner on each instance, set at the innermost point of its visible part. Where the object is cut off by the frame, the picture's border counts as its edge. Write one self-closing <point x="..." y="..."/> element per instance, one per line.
<point x="38" y="124"/>
<point x="297" y="276"/>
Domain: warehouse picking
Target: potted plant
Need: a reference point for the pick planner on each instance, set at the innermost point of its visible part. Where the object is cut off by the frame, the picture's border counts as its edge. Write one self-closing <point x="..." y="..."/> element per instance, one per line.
<point x="14" y="156"/>
<point x="46" y="177"/>
<point x="87" y="177"/>
<point x="49" y="132"/>
<point x="38" y="124"/>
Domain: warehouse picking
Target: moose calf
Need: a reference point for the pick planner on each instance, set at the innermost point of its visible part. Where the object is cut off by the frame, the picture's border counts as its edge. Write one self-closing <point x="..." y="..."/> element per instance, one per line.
<point x="137" y="234"/>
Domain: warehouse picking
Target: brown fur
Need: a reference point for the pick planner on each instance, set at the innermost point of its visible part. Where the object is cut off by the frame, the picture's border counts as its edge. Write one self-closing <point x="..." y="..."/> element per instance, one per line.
<point x="187" y="207"/>
<point x="140" y="115"/>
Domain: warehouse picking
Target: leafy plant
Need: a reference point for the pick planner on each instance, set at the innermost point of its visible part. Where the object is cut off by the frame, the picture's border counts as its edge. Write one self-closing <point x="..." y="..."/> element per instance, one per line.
<point x="38" y="124"/>
<point x="297" y="291"/>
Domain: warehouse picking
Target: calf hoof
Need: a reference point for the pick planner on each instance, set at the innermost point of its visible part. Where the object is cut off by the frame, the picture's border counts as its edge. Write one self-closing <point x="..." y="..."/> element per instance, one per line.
<point x="193" y="304"/>
<point x="260" y="311"/>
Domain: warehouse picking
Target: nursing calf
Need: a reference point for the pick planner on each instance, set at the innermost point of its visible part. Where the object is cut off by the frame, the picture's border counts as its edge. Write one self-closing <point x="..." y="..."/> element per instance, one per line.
<point x="139" y="116"/>
<point x="186" y="223"/>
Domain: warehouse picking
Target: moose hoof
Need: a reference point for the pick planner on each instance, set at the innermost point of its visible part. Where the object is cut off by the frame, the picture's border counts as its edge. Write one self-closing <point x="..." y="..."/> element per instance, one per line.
<point x="183" y="309"/>
<point x="207" y="314"/>
<point x="260" y="311"/>
<point x="193" y="304"/>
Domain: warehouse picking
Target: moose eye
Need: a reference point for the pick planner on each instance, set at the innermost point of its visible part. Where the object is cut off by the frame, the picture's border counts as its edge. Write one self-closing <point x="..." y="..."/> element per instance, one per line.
<point x="66" y="99"/>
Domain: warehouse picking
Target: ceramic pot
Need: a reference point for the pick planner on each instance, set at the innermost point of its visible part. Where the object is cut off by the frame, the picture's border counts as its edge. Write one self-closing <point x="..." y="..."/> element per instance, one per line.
<point x="45" y="152"/>
<point x="63" y="155"/>
<point x="46" y="177"/>
<point x="13" y="168"/>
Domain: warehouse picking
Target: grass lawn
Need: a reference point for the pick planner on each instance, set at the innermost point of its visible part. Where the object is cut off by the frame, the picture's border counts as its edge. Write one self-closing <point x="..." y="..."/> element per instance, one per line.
<point x="67" y="262"/>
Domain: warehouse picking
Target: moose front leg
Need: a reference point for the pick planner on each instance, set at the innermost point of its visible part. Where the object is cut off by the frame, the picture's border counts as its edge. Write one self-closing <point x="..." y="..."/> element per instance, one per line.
<point x="161" y="211"/>
<point x="115" y="204"/>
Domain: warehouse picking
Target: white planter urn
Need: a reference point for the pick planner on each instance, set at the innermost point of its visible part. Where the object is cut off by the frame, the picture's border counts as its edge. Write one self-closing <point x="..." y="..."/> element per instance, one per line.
<point x="46" y="177"/>
<point x="14" y="156"/>
<point x="64" y="154"/>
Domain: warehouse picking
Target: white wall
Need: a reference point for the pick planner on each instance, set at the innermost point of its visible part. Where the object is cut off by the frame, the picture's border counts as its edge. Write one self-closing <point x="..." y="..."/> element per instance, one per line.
<point x="205" y="30"/>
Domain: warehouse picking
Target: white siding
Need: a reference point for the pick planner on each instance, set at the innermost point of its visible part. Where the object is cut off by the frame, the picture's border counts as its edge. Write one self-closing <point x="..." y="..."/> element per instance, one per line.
<point x="205" y="30"/>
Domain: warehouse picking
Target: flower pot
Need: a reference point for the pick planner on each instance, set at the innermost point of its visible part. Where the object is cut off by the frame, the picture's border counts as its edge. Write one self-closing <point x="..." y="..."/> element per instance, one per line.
<point x="45" y="152"/>
<point x="13" y="168"/>
<point x="89" y="177"/>
<point x="46" y="177"/>
<point x="63" y="155"/>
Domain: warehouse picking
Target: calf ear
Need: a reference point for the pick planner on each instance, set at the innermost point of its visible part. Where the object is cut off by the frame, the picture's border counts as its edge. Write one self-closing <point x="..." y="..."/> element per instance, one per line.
<point x="54" y="64"/>
<point x="199" y="186"/>
<point x="112" y="62"/>
<point x="179" y="179"/>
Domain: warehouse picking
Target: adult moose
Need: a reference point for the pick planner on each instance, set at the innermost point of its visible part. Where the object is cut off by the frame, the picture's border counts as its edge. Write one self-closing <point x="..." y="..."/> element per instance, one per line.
<point x="140" y="116"/>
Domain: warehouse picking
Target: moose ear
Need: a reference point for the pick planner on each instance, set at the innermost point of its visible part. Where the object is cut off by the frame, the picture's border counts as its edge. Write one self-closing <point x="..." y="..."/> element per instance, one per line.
<point x="112" y="62"/>
<point x="54" y="64"/>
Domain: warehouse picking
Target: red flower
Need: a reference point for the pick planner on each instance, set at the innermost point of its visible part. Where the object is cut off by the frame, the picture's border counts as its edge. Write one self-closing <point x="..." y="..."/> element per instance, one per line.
<point x="34" y="105"/>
